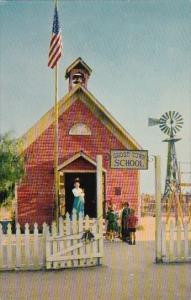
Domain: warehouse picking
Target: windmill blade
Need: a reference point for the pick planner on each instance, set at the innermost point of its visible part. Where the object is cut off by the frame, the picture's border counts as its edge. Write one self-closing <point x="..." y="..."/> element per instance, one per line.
<point x="162" y="121"/>
<point x="174" y="130"/>
<point x="168" y="131"/>
<point x="178" y="127"/>
<point x="180" y="119"/>
<point x="162" y="127"/>
<point x="176" y="114"/>
<point x="165" y="116"/>
<point x="173" y="114"/>
<point x="153" y="122"/>
<point x="179" y="124"/>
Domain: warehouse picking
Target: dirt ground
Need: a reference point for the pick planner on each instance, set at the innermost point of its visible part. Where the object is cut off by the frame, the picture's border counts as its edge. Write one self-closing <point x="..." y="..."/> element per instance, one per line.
<point x="128" y="272"/>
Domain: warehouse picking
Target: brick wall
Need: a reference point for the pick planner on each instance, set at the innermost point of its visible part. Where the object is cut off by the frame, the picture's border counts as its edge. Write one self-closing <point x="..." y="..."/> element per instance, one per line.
<point x="36" y="193"/>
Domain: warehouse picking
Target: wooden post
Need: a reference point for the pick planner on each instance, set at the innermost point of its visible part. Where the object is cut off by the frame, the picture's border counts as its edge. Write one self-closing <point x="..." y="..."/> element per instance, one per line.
<point x="48" y="249"/>
<point x="9" y="247"/>
<point x="99" y="188"/>
<point x="68" y="241"/>
<point x="55" y="243"/>
<point x="45" y="235"/>
<point x="163" y="242"/>
<point x="36" y="246"/>
<point x="94" y="244"/>
<point x="87" y="246"/>
<point x="139" y="199"/>
<point x="74" y="232"/>
<point x="158" y="246"/>
<point x="27" y="246"/>
<point x="18" y="246"/>
<point x="81" y="249"/>
<point x="100" y="205"/>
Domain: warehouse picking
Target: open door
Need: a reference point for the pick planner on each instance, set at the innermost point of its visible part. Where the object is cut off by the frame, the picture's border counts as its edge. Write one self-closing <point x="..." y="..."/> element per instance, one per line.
<point x="88" y="183"/>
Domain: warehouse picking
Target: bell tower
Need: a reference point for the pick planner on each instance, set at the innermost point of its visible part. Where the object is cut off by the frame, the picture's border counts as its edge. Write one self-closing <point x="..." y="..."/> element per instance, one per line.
<point x="78" y="73"/>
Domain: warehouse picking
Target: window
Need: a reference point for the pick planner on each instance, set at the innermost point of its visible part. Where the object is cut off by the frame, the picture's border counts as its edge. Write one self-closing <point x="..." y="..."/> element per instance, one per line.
<point x="80" y="129"/>
<point x="117" y="191"/>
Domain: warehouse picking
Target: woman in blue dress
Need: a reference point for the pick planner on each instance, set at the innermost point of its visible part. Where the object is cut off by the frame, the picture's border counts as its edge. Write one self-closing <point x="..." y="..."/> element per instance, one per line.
<point x="78" y="193"/>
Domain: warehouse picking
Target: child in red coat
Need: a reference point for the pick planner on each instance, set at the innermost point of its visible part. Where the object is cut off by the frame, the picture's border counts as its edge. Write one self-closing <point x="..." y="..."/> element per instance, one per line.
<point x="132" y="222"/>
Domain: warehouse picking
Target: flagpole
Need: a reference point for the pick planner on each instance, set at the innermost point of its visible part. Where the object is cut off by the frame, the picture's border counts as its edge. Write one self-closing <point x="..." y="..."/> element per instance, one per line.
<point x="56" y="184"/>
<point x="56" y="147"/>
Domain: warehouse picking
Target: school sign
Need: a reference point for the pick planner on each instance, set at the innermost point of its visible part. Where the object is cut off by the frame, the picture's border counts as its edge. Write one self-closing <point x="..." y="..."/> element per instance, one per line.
<point x="129" y="159"/>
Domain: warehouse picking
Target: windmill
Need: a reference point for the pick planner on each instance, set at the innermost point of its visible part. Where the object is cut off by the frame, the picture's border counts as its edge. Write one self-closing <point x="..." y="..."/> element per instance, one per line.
<point x="170" y="123"/>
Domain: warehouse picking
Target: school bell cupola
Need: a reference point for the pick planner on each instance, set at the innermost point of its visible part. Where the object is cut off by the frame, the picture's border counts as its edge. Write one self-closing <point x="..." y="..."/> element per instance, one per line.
<point x="78" y="73"/>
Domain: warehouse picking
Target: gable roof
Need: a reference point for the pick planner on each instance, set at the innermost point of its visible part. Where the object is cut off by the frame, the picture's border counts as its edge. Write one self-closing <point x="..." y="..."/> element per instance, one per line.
<point x="76" y="156"/>
<point x="78" y="62"/>
<point x="80" y="92"/>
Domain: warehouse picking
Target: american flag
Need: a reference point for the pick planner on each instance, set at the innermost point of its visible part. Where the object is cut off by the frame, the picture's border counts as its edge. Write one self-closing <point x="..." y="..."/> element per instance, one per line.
<point x="55" y="50"/>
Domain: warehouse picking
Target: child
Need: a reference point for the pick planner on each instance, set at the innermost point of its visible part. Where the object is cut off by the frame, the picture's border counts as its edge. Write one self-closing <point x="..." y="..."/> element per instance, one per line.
<point x="124" y="222"/>
<point x="132" y="222"/>
<point x="82" y="195"/>
<point x="111" y="226"/>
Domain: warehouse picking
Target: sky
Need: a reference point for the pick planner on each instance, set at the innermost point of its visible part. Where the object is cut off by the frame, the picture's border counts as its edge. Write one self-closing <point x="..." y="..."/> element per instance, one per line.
<point x="139" y="51"/>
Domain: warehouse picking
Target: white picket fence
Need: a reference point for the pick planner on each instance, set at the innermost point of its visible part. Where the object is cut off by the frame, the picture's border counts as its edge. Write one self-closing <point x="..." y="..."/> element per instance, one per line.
<point x="23" y="251"/>
<point x="175" y="241"/>
<point x="49" y="249"/>
<point x="69" y="248"/>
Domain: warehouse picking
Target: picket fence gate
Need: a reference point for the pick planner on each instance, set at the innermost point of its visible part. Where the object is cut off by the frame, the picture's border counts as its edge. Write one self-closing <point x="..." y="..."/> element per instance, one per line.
<point x="52" y="249"/>
<point x="175" y="241"/>
<point x="79" y="243"/>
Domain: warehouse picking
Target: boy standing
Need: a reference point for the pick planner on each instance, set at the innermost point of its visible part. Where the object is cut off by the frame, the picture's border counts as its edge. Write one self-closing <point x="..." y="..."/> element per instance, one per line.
<point x="112" y="220"/>
<point x="132" y="222"/>
<point x="124" y="222"/>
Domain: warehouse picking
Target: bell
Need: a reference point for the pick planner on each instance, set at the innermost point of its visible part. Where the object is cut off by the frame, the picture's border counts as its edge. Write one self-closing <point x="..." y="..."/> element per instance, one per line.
<point x="77" y="78"/>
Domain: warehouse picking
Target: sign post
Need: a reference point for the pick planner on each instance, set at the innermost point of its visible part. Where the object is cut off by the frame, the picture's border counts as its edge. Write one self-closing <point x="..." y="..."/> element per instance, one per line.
<point x="99" y="187"/>
<point x="158" y="254"/>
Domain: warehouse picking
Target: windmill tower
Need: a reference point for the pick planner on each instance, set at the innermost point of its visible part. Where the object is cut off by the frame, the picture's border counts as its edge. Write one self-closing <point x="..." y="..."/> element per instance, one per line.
<point x="170" y="123"/>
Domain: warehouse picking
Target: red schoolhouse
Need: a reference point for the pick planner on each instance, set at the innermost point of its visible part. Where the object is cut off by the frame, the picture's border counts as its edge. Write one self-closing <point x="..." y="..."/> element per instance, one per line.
<point x="86" y="129"/>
